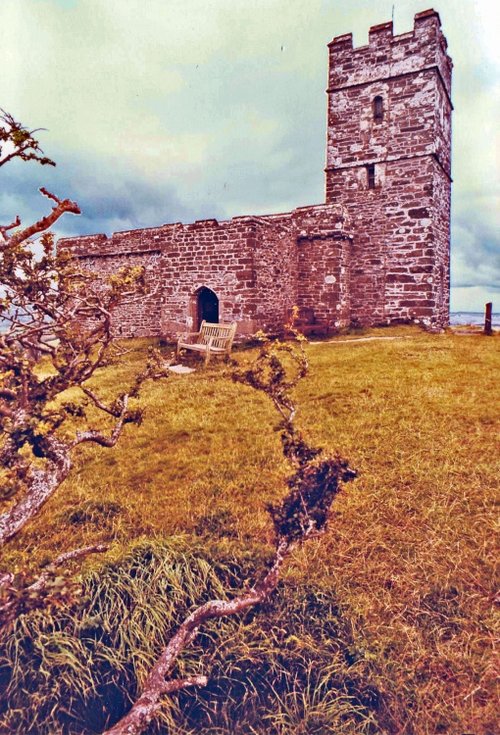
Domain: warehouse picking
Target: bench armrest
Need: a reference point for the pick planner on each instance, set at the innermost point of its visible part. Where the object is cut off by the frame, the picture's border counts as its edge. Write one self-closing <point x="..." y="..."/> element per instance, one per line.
<point x="188" y="335"/>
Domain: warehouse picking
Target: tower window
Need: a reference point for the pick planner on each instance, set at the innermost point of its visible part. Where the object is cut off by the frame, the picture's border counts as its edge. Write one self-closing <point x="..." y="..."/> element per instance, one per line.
<point x="378" y="109"/>
<point x="370" y="175"/>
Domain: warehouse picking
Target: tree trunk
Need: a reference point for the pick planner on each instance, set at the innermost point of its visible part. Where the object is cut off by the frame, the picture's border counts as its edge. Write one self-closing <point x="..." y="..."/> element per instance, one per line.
<point x="42" y="485"/>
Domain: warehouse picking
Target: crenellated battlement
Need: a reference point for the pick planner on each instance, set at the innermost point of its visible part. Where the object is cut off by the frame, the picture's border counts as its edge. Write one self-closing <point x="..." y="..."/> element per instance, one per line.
<point x="387" y="55"/>
<point x="385" y="30"/>
<point x="381" y="33"/>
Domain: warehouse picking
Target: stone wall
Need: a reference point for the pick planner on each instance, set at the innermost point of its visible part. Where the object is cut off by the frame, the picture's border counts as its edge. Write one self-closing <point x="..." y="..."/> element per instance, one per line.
<point x="207" y="253"/>
<point x="253" y="265"/>
<point x="324" y="241"/>
<point x="440" y="215"/>
<point x="180" y="259"/>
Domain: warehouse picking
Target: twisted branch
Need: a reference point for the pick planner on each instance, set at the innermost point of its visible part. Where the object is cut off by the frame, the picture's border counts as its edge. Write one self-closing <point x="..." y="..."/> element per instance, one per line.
<point x="302" y="515"/>
<point x="5" y="228"/>
<point x="33" y="595"/>
<point x="156" y="684"/>
<point x="97" y="436"/>
<point x="62" y="206"/>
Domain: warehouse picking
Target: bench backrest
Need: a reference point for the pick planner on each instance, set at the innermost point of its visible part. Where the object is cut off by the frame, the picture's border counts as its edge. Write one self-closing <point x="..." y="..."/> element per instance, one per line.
<point x="222" y="334"/>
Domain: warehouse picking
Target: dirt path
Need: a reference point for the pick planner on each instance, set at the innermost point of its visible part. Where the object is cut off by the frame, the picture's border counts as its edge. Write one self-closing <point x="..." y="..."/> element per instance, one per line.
<point x="359" y="339"/>
<point x="458" y="332"/>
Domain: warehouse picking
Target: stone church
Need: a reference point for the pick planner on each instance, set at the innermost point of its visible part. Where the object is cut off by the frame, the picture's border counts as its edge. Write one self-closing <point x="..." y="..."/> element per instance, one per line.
<point x="376" y="252"/>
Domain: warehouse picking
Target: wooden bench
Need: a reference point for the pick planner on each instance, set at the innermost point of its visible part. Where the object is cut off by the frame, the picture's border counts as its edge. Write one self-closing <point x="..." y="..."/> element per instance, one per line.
<point x="212" y="339"/>
<point x="308" y="324"/>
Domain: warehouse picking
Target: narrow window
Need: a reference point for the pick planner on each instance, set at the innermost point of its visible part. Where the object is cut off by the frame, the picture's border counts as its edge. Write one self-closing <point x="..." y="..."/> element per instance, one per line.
<point x="378" y="109"/>
<point x="441" y="287"/>
<point x="370" y="173"/>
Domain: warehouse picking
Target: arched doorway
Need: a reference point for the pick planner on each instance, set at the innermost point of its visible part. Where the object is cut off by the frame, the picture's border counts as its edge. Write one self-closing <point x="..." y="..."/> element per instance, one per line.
<point x="207" y="306"/>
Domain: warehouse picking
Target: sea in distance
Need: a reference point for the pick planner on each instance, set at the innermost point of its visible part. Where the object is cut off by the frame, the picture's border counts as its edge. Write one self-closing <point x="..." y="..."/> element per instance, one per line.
<point x="473" y="317"/>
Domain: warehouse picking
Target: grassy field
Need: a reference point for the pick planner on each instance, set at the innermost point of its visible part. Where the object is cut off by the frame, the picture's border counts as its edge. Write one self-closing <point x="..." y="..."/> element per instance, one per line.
<point x="384" y="625"/>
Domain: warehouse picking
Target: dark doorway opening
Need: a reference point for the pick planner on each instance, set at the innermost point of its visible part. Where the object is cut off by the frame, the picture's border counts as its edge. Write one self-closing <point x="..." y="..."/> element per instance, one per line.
<point x="207" y="306"/>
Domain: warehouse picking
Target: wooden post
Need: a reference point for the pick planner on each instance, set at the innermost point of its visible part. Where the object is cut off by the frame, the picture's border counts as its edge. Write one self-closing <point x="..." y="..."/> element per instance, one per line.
<point x="487" y="318"/>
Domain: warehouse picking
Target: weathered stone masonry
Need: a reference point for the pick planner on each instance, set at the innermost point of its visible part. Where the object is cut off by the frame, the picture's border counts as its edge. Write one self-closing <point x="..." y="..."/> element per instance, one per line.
<point x="400" y="267"/>
<point x="376" y="252"/>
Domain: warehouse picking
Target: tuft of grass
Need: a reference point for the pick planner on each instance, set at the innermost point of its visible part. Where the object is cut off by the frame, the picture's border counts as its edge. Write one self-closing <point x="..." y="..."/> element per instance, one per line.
<point x="75" y="671"/>
<point x="98" y="512"/>
<point x="410" y="555"/>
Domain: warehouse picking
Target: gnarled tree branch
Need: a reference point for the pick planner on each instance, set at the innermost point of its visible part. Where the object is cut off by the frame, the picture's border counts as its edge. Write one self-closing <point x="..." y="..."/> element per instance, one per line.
<point x="156" y="685"/>
<point x="14" y="600"/>
<point x="97" y="436"/>
<point x="62" y="206"/>
<point x="43" y="483"/>
<point x="302" y="515"/>
<point x="21" y="140"/>
<point x="5" y="228"/>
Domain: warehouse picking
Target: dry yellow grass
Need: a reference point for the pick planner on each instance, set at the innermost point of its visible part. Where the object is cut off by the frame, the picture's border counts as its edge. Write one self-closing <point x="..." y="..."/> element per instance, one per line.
<point x="410" y="553"/>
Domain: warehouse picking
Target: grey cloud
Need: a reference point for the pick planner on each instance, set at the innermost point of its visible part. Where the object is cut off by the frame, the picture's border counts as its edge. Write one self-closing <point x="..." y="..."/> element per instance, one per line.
<point x="109" y="199"/>
<point x="476" y="252"/>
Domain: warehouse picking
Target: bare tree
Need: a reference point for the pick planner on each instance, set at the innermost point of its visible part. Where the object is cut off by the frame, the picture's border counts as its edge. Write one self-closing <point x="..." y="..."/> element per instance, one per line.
<point x="56" y="333"/>
<point x="55" y="322"/>
<point x="302" y="514"/>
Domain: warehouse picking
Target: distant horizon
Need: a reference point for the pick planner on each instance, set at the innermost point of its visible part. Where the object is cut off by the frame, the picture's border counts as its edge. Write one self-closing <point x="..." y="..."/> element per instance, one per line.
<point x="468" y="311"/>
<point x="479" y="318"/>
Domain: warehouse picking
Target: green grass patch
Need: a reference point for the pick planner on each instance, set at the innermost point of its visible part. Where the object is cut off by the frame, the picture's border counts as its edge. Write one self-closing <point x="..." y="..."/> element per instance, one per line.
<point x="288" y="665"/>
<point x="408" y="562"/>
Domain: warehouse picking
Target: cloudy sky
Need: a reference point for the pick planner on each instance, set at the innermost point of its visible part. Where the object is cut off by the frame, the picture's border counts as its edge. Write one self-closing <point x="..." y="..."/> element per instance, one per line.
<point x="174" y="110"/>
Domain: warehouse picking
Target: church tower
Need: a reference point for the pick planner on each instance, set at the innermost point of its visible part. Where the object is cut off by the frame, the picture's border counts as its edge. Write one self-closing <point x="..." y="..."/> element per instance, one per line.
<point x="389" y="164"/>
